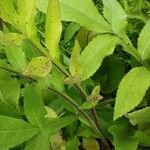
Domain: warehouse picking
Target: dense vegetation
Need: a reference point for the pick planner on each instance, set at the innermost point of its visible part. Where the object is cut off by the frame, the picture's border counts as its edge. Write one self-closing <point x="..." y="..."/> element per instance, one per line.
<point x="74" y="74"/>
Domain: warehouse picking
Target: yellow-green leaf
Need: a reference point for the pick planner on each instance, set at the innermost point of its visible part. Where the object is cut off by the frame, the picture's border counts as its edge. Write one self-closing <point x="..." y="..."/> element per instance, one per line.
<point x="30" y="18"/>
<point x="53" y="28"/>
<point x="39" y="66"/>
<point x="75" y="67"/>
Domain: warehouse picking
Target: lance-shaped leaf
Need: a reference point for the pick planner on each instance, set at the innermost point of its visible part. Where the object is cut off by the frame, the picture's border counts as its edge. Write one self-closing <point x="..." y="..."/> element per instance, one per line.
<point x="30" y="19"/>
<point x="13" y="12"/>
<point x="39" y="66"/>
<point x="33" y="106"/>
<point x="93" y="55"/>
<point x="131" y="90"/>
<point x="144" y="42"/>
<point x="75" y="67"/>
<point x="140" y="116"/>
<point x="85" y="13"/>
<point x="15" y="131"/>
<point x="53" y="28"/>
<point x="115" y="15"/>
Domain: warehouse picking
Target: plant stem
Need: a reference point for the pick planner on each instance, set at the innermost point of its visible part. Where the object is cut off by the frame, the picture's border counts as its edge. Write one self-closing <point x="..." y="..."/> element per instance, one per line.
<point x="71" y="102"/>
<point x="78" y="87"/>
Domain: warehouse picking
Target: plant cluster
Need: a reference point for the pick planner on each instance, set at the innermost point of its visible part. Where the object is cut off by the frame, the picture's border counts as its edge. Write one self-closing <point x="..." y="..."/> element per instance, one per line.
<point x="74" y="74"/>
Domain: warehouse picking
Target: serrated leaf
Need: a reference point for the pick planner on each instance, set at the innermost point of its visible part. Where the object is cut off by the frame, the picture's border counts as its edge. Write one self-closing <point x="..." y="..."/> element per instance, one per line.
<point x="144" y="42"/>
<point x="78" y="11"/>
<point x="53" y="28"/>
<point x="75" y="67"/>
<point x="15" y="131"/>
<point x="39" y="66"/>
<point x="140" y="116"/>
<point x="131" y="90"/>
<point x="10" y="90"/>
<point x="16" y="57"/>
<point x="115" y="14"/>
<point x="93" y="55"/>
<point x="33" y="106"/>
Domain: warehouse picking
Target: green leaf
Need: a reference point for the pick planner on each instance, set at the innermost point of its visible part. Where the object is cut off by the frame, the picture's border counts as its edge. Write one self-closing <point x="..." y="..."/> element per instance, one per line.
<point x="78" y="11"/>
<point x="131" y="90"/>
<point x="10" y="90"/>
<point x="55" y="124"/>
<point x="73" y="144"/>
<point x="144" y="137"/>
<point x="140" y="116"/>
<point x="33" y="106"/>
<point x="123" y="137"/>
<point x="30" y="19"/>
<point x="110" y="74"/>
<point x="39" y="142"/>
<point x="7" y="109"/>
<point x="14" y="132"/>
<point x="39" y="66"/>
<point x="42" y="5"/>
<point x="70" y="31"/>
<point x="16" y="57"/>
<point x="11" y="43"/>
<point x="53" y="28"/>
<point x="144" y="42"/>
<point x="13" y="12"/>
<point x="75" y="67"/>
<point x="115" y="14"/>
<point x="88" y="104"/>
<point x="10" y="38"/>
<point x="93" y="55"/>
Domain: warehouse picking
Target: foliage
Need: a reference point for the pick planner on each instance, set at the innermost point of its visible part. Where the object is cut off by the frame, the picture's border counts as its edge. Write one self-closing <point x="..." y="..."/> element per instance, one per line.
<point x="74" y="74"/>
